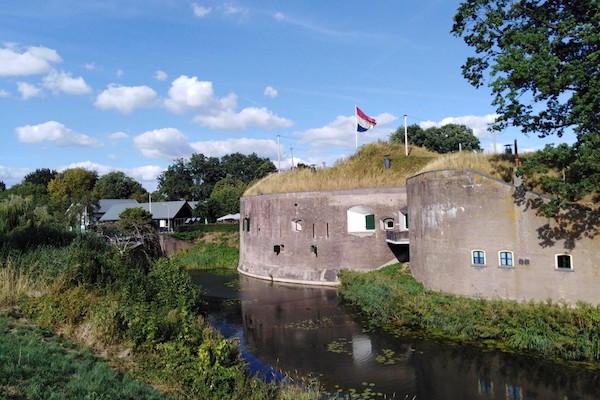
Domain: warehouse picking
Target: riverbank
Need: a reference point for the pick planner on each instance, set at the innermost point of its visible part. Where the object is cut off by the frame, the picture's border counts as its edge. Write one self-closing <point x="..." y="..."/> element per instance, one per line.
<point x="393" y="299"/>
<point x="145" y="324"/>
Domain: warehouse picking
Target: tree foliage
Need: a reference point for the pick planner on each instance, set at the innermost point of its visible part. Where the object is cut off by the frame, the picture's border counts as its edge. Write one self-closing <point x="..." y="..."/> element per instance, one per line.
<point x="227" y="194"/>
<point x="71" y="191"/>
<point x="41" y="176"/>
<point x="117" y="185"/>
<point x="541" y="60"/>
<point x="135" y="237"/>
<point x="445" y="139"/>
<point x="196" y="178"/>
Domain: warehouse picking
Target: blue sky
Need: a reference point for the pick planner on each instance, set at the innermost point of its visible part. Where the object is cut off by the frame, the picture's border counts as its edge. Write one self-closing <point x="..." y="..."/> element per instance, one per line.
<point x="133" y="85"/>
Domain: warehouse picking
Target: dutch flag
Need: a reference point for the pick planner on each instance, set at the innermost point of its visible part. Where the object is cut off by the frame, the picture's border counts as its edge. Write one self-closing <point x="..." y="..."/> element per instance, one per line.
<point x="363" y="121"/>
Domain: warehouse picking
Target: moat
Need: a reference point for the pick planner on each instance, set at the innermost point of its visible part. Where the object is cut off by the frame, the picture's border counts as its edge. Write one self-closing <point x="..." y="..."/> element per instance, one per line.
<point x="306" y="334"/>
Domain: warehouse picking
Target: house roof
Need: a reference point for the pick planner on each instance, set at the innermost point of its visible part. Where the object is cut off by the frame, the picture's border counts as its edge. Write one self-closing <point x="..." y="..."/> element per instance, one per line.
<point x="106" y="204"/>
<point x="159" y="210"/>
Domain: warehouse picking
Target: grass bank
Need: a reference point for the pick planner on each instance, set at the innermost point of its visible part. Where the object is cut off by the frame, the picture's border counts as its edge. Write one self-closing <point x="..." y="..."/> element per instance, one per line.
<point x="393" y="299"/>
<point x="213" y="249"/>
<point x="146" y="324"/>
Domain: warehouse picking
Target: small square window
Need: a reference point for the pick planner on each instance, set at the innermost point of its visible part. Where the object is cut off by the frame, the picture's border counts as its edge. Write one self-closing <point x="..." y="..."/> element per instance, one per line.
<point x="564" y="261"/>
<point x="506" y="258"/>
<point x="478" y="257"/>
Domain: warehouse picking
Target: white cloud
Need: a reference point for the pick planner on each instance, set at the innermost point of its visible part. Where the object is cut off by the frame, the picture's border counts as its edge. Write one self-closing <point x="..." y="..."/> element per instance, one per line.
<point x="120" y="73"/>
<point x="118" y="135"/>
<point x="12" y="175"/>
<point x="56" y="132"/>
<point x="160" y="75"/>
<point x="126" y="98"/>
<point x="219" y="148"/>
<point x="341" y="131"/>
<point x="90" y="66"/>
<point x="229" y="9"/>
<point x="228" y="119"/>
<point x="4" y="93"/>
<point x="200" y="11"/>
<point x="28" y="90"/>
<point x="190" y="94"/>
<point x="479" y="124"/>
<point x="279" y="17"/>
<point x="33" y="61"/>
<point x="166" y="143"/>
<point x="270" y="92"/>
<point x="64" y="82"/>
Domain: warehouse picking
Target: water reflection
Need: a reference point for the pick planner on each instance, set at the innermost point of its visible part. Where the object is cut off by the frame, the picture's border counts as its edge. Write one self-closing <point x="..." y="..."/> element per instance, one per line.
<point x="303" y="331"/>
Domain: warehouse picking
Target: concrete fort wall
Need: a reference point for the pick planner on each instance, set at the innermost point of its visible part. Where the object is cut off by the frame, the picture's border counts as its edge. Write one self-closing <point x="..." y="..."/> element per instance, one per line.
<point x="309" y="237"/>
<point x="454" y="214"/>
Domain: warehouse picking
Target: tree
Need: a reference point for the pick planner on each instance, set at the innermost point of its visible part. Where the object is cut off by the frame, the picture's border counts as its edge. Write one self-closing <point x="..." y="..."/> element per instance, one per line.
<point x="227" y="194"/>
<point x="41" y="176"/>
<point x="206" y="172"/>
<point x="541" y="59"/>
<point x="247" y="168"/>
<point x="71" y="191"/>
<point x="176" y="182"/>
<point x="2" y="186"/>
<point x="445" y="139"/>
<point x="135" y="237"/>
<point x="117" y="185"/>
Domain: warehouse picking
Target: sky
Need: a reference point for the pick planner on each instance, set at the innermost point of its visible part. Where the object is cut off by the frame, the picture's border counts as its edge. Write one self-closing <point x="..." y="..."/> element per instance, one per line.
<point x="134" y="85"/>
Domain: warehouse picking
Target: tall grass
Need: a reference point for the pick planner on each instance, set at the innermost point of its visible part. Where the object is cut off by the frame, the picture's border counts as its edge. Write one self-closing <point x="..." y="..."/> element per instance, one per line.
<point x="391" y="297"/>
<point x="36" y="364"/>
<point x="364" y="169"/>
<point x="16" y="284"/>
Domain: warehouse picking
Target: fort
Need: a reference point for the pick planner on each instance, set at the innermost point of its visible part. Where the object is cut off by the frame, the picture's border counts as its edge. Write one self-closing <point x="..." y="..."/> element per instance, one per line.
<point x="461" y="231"/>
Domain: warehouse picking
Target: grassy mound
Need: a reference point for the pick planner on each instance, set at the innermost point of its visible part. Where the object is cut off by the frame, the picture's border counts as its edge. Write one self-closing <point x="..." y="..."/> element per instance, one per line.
<point x="366" y="169"/>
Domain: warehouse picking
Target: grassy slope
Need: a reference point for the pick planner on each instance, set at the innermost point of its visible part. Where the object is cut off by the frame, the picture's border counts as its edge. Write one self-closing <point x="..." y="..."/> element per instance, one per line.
<point x="36" y="364"/>
<point x="366" y="169"/>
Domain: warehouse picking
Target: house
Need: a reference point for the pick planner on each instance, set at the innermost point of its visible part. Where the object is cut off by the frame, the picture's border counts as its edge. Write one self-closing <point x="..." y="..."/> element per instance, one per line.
<point x="166" y="214"/>
<point x="105" y="204"/>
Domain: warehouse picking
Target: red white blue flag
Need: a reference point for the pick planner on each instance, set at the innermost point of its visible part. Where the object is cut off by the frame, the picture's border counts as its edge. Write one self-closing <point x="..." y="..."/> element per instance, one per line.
<point x="363" y="121"/>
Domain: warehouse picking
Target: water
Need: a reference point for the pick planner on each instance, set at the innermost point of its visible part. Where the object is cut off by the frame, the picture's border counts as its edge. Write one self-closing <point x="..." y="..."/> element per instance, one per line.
<point x="303" y="333"/>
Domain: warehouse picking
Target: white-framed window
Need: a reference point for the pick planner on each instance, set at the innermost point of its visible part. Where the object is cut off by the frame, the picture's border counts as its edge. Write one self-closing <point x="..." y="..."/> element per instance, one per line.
<point x="478" y="257"/>
<point x="361" y="219"/>
<point x="506" y="258"/>
<point x="563" y="261"/>
<point x="388" y="224"/>
<point x="403" y="219"/>
<point x="296" y="225"/>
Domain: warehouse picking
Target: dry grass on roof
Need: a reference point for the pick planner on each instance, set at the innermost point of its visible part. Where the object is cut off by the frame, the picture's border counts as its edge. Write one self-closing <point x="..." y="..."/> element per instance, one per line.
<point x="363" y="169"/>
<point x="366" y="169"/>
<point x="501" y="166"/>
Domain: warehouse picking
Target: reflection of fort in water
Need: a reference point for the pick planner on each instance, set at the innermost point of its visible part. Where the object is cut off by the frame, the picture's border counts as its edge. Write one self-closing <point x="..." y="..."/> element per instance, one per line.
<point x="302" y="330"/>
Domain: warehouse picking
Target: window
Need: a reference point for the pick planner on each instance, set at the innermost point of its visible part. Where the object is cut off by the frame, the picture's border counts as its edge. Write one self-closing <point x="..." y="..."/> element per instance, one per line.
<point x="505" y="258"/>
<point x="388" y="224"/>
<point x="246" y="225"/>
<point x="296" y="225"/>
<point x="478" y="257"/>
<point x="361" y="219"/>
<point x="403" y="219"/>
<point x="564" y="261"/>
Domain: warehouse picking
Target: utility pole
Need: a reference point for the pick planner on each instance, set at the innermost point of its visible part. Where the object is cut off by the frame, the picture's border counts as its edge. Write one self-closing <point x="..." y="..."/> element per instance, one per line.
<point x="405" y="137"/>
<point x="278" y="155"/>
<point x="292" y="150"/>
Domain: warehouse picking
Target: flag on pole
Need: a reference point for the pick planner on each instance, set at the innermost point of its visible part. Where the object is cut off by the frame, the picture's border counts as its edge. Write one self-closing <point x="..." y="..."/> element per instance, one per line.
<point x="363" y="121"/>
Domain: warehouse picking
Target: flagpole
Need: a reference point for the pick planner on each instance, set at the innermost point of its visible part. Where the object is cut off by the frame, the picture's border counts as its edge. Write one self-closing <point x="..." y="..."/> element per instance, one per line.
<point x="355" y="129"/>
<point x="405" y="137"/>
